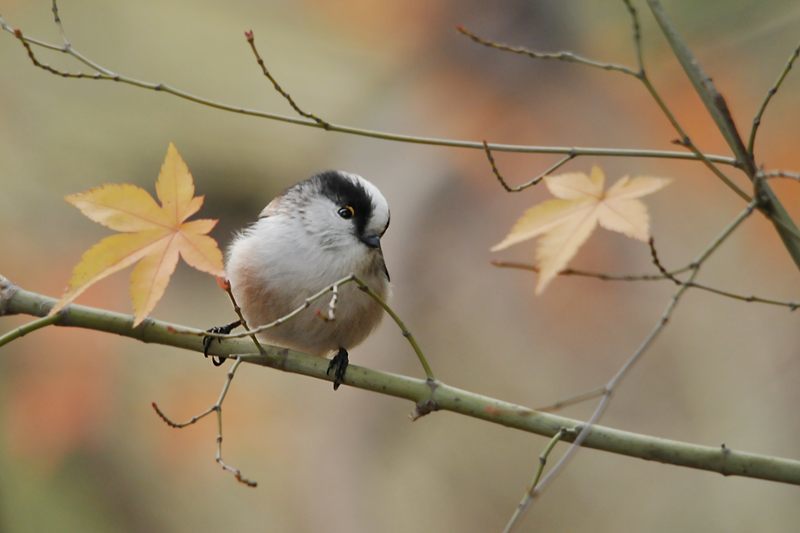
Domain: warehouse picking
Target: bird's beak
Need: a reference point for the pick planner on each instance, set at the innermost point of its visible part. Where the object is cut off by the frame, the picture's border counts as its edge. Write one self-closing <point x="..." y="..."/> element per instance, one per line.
<point x="373" y="241"/>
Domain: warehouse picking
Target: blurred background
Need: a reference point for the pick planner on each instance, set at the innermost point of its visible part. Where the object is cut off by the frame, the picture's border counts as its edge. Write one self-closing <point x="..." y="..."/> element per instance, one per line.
<point x="80" y="447"/>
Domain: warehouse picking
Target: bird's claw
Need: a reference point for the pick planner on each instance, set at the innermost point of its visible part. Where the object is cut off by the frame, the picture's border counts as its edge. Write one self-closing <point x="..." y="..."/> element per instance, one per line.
<point x="338" y="365"/>
<point x="207" y="340"/>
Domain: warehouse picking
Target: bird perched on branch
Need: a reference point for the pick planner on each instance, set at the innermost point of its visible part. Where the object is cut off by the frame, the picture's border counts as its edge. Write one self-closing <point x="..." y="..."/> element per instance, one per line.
<point x="311" y="236"/>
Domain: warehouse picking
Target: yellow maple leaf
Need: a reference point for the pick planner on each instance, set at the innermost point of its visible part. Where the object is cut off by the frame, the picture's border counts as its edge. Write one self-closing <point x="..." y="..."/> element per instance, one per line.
<point x="566" y="222"/>
<point x="152" y="235"/>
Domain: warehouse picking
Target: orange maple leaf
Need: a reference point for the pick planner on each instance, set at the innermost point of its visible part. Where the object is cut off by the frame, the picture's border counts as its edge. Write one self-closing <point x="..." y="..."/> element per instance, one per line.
<point x="151" y="234"/>
<point x="580" y="204"/>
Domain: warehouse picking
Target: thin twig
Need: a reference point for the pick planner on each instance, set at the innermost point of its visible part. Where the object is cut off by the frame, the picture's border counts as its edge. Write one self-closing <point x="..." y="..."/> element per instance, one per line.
<point x="252" y="42"/>
<point x="780" y="174"/>
<point x="31" y="326"/>
<point x="570" y="57"/>
<point x="105" y="74"/>
<point x="654" y="256"/>
<point x="400" y="324"/>
<point x="636" y="32"/>
<point x="768" y="97"/>
<point x="664" y="275"/>
<point x="216" y="408"/>
<point x="573" y="400"/>
<point x="793" y="306"/>
<point x="542" y="462"/>
<point x="52" y="70"/>
<point x="57" y="20"/>
<point x="238" y="311"/>
<point x="587" y="274"/>
<point x="552" y="168"/>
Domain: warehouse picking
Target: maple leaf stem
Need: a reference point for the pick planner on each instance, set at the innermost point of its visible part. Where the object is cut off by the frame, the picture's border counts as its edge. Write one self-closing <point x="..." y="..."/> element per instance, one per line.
<point x="15" y="300"/>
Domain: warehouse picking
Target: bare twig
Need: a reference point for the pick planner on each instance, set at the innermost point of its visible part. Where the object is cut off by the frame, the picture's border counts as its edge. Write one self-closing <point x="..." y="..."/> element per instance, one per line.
<point x="30" y="327"/>
<point x="587" y="274"/>
<point x="238" y="311"/>
<point x="573" y="400"/>
<point x="539" y="471"/>
<point x="567" y="56"/>
<point x="780" y="174"/>
<point x="664" y="275"/>
<point x="636" y="32"/>
<point x="252" y="42"/>
<point x="57" y="20"/>
<point x="654" y="256"/>
<point x="216" y="408"/>
<point x="772" y="91"/>
<point x="552" y="168"/>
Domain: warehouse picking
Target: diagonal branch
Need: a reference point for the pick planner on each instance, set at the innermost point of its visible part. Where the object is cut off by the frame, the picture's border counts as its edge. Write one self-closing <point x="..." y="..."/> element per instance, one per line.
<point x="14" y="300"/>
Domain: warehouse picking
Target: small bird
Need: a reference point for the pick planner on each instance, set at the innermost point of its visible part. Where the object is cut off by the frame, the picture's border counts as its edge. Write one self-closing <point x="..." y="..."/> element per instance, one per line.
<point x="312" y="235"/>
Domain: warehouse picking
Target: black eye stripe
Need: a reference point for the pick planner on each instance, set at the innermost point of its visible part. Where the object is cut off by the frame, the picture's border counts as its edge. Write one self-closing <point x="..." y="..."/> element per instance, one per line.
<point x="343" y="192"/>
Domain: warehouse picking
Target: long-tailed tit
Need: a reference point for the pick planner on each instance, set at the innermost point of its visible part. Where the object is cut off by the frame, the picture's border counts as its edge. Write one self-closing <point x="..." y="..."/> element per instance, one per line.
<point x="312" y="235"/>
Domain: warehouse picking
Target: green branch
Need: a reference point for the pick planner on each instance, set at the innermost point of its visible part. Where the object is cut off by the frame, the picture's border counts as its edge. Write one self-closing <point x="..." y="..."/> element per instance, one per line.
<point x="428" y="396"/>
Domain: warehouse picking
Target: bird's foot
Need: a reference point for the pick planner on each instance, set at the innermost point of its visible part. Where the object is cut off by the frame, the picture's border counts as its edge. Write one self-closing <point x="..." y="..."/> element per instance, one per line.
<point x="207" y="340"/>
<point x="338" y="366"/>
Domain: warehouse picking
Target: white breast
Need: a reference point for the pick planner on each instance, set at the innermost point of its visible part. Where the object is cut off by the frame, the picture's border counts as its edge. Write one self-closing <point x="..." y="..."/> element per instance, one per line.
<point x="273" y="267"/>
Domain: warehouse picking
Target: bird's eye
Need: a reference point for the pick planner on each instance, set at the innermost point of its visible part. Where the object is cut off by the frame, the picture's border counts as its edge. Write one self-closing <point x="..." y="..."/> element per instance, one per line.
<point x="347" y="212"/>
